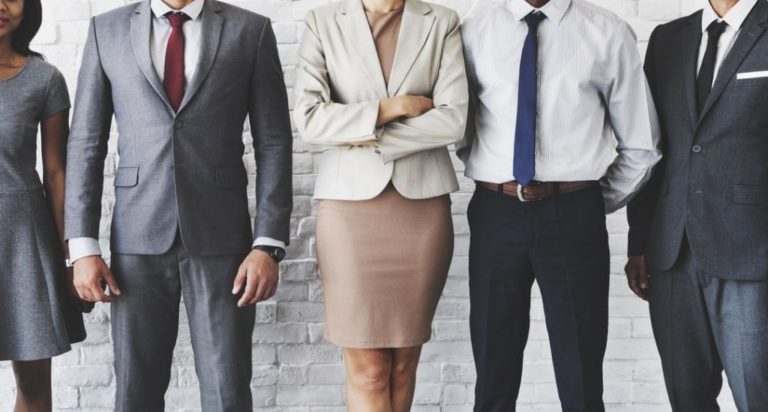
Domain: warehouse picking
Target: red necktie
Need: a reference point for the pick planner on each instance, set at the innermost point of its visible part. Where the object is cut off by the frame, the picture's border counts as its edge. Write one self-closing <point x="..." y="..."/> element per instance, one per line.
<point x="174" y="60"/>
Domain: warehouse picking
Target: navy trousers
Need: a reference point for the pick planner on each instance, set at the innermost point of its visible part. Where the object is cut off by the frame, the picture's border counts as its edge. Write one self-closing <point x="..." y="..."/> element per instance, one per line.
<point x="562" y="244"/>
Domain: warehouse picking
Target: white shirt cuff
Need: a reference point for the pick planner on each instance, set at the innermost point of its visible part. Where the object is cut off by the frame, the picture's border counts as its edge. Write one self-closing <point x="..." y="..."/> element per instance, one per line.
<point x="81" y="247"/>
<point x="267" y="241"/>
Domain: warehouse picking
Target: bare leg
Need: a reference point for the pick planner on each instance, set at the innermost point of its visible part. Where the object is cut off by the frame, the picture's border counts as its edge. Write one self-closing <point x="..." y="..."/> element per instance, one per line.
<point x="405" y="361"/>
<point x="33" y="386"/>
<point x="368" y="379"/>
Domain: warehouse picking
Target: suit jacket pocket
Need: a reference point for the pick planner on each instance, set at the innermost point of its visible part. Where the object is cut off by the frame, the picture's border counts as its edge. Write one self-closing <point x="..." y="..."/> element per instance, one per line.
<point x="750" y="195"/>
<point x="127" y="176"/>
<point x="232" y="177"/>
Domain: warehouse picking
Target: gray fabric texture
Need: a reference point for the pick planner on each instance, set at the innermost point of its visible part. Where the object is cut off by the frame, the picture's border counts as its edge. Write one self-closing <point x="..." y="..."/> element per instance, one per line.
<point x="181" y="171"/>
<point x="38" y="317"/>
<point x="712" y="183"/>
<point x="145" y="320"/>
<point x="705" y="324"/>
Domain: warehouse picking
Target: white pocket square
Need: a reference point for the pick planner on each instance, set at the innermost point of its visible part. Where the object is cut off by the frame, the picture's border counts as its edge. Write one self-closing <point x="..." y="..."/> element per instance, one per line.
<point x="752" y="75"/>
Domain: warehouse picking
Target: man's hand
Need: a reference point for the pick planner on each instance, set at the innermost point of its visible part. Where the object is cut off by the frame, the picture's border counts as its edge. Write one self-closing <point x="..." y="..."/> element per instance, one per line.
<point x="92" y="275"/>
<point x="259" y="274"/>
<point x="637" y="276"/>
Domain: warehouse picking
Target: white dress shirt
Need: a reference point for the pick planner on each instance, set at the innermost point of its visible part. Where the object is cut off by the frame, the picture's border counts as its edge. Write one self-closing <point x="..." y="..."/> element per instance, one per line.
<point x="596" y="118"/>
<point x="735" y="19"/>
<point x="161" y="30"/>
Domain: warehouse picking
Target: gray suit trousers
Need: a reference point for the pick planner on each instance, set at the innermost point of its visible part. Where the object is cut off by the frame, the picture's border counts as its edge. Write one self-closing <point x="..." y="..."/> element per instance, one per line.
<point x="145" y="320"/>
<point x="704" y="325"/>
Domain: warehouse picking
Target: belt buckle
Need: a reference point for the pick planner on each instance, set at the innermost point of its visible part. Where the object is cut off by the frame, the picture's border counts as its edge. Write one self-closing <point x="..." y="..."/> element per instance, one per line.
<point x="520" y="194"/>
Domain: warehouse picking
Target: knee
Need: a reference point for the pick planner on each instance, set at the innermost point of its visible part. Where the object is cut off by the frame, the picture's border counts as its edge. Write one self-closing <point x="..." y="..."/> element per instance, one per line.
<point x="404" y="373"/>
<point x="372" y="378"/>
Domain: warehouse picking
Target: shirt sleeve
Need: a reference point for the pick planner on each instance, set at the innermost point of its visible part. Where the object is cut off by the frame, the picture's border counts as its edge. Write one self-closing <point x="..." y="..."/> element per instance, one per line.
<point x="57" y="96"/>
<point x="268" y="241"/>
<point x="634" y="119"/>
<point x="81" y="247"/>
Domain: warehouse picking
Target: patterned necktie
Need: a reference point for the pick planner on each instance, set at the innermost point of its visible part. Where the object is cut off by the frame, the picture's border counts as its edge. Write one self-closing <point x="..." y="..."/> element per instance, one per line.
<point x="527" y="103"/>
<point x="707" y="71"/>
<point x="174" y="60"/>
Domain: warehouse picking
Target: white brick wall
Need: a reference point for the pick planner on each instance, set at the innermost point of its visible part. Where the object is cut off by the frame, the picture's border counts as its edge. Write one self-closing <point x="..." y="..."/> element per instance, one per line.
<point x="294" y="371"/>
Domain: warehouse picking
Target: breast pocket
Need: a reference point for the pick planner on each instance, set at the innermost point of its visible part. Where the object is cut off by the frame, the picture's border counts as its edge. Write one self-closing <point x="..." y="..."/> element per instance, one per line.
<point x="752" y="79"/>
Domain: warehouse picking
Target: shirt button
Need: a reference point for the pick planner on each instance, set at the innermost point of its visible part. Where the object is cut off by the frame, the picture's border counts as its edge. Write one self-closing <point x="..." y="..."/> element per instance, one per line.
<point x="696" y="148"/>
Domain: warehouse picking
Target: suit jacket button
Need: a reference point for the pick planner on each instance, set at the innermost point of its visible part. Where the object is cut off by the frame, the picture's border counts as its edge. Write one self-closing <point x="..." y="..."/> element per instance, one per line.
<point x="696" y="148"/>
<point x="179" y="124"/>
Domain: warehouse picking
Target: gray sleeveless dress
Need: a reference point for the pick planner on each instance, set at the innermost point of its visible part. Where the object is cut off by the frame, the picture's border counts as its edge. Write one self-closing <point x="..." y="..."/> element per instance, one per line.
<point x="38" y="317"/>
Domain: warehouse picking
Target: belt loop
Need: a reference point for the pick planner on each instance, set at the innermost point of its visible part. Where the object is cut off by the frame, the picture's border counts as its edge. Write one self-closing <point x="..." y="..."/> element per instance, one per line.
<point x="557" y="189"/>
<point x="500" y="188"/>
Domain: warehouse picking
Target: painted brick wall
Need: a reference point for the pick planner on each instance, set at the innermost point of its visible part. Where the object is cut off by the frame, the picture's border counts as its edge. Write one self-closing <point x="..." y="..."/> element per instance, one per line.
<point x="294" y="370"/>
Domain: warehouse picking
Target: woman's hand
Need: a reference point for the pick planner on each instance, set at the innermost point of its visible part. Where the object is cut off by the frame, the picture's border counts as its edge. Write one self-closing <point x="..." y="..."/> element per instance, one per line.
<point x="403" y="106"/>
<point x="414" y="106"/>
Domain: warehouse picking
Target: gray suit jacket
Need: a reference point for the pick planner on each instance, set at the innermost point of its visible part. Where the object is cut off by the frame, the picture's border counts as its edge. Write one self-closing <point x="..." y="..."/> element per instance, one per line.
<point x="713" y="181"/>
<point x="181" y="172"/>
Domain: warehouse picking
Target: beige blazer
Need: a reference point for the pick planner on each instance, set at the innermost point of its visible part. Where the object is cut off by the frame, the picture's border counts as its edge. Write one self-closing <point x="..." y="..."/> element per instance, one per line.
<point x="338" y="88"/>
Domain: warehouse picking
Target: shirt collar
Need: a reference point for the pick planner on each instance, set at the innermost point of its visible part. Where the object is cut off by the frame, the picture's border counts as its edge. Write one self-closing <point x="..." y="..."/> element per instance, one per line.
<point x="554" y="10"/>
<point x="193" y="10"/>
<point x="735" y="16"/>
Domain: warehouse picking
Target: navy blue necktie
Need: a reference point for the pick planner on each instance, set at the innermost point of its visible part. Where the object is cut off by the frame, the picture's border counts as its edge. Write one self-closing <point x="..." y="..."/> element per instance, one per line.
<point x="527" y="104"/>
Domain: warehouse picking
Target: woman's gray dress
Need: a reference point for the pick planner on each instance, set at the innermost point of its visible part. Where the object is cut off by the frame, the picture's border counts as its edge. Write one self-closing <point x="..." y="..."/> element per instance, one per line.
<point x="38" y="317"/>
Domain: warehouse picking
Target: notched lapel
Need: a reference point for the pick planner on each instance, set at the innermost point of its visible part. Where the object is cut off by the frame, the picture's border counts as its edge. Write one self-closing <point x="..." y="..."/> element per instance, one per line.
<point x="753" y="29"/>
<point x="415" y="28"/>
<point x="141" y="29"/>
<point x="213" y="24"/>
<point x="354" y="25"/>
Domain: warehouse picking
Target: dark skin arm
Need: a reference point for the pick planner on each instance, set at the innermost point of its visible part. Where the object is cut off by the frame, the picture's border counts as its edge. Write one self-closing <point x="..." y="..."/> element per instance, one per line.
<point x="55" y="132"/>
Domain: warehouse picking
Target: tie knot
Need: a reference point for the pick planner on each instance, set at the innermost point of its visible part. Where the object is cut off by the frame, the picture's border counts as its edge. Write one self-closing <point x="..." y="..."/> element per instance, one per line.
<point x="177" y="19"/>
<point x="534" y="18"/>
<point x="716" y="29"/>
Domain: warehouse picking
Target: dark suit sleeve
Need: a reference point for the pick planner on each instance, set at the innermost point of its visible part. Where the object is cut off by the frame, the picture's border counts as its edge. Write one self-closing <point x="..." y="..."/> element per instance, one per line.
<point x="272" y="141"/>
<point x="87" y="145"/>
<point x="641" y="209"/>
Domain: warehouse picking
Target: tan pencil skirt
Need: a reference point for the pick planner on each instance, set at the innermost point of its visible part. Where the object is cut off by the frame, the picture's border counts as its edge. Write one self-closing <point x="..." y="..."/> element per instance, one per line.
<point x="383" y="263"/>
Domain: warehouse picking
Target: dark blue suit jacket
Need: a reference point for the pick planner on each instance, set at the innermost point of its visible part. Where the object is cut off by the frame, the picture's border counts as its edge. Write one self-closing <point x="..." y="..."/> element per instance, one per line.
<point x="712" y="184"/>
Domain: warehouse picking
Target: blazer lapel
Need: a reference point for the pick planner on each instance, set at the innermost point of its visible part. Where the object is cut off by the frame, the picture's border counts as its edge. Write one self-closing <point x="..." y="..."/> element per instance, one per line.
<point x="751" y="31"/>
<point x="414" y="30"/>
<point x="141" y="29"/>
<point x="354" y="25"/>
<point x="690" y="41"/>
<point x="213" y="23"/>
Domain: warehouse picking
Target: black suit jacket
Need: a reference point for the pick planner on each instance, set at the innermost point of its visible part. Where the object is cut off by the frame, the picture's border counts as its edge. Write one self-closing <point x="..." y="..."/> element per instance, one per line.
<point x="712" y="184"/>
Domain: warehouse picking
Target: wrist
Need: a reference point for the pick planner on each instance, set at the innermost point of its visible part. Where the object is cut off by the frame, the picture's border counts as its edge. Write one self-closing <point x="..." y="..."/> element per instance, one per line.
<point x="276" y="253"/>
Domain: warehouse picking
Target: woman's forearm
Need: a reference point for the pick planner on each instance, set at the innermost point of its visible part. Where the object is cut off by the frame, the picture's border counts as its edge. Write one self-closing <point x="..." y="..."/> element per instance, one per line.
<point x="54" y="191"/>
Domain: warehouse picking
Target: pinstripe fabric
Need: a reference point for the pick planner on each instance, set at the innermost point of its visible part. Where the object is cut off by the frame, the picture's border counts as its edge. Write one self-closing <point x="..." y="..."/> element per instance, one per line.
<point x="593" y="98"/>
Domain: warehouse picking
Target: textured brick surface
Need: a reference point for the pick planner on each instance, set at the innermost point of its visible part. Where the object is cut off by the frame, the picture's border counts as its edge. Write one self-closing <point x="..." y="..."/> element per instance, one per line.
<point x="294" y="371"/>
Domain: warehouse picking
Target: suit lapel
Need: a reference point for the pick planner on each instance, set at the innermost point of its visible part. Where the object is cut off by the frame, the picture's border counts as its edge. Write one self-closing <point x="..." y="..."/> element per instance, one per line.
<point x="751" y="31"/>
<point x="213" y="23"/>
<point x="691" y="40"/>
<point x="354" y="25"/>
<point x="141" y="29"/>
<point x="414" y="30"/>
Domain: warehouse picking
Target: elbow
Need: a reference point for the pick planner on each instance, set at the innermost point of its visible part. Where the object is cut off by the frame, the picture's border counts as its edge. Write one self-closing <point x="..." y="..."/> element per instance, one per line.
<point x="303" y="120"/>
<point x="456" y="123"/>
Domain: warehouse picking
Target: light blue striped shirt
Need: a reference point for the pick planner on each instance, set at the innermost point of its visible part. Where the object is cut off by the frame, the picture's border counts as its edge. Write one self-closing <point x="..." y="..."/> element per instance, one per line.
<point x="596" y="118"/>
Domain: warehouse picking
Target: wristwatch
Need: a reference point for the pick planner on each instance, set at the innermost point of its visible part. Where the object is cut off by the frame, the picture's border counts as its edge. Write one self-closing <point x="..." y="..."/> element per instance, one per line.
<point x="276" y="253"/>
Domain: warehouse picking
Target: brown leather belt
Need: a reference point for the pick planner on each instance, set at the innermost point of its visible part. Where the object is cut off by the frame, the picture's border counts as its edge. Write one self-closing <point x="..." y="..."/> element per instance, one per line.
<point x="536" y="190"/>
